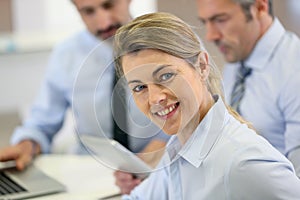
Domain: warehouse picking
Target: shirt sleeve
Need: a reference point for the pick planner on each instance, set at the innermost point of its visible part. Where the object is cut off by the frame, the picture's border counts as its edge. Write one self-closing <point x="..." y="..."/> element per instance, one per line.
<point x="261" y="173"/>
<point x="154" y="187"/>
<point x="48" y="111"/>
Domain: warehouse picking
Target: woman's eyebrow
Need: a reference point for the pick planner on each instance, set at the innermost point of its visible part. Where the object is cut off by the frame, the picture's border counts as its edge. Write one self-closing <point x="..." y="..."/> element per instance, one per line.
<point x="134" y="81"/>
<point x="159" y="69"/>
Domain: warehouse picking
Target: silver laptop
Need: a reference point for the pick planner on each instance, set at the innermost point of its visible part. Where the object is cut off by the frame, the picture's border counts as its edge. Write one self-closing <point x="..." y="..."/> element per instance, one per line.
<point x="31" y="182"/>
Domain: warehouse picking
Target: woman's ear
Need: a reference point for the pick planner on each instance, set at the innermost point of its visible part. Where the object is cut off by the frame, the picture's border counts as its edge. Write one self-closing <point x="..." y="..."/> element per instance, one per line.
<point x="202" y="65"/>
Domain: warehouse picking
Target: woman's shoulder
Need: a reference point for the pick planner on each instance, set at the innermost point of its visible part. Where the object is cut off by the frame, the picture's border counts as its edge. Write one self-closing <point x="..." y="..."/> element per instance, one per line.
<point x="241" y="144"/>
<point x="253" y="166"/>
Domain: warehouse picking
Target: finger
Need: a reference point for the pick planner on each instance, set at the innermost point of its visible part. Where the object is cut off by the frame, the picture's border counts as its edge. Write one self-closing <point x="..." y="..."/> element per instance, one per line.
<point x="23" y="160"/>
<point x="9" y="153"/>
<point x="123" y="176"/>
<point x="137" y="181"/>
<point x="126" y="189"/>
<point x="117" y="173"/>
<point x="127" y="184"/>
<point x="123" y="184"/>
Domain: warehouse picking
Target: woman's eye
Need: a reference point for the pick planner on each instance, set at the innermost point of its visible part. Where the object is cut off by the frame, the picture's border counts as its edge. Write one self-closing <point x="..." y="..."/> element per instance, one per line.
<point x="166" y="76"/>
<point x="138" y="88"/>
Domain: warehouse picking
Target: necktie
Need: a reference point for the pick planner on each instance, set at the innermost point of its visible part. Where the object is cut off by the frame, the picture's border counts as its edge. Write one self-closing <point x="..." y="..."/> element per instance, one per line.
<point x="239" y="87"/>
<point x="119" y="113"/>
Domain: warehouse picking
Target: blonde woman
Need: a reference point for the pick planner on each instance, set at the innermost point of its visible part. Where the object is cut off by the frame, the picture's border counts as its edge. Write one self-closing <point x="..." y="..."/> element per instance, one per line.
<point x="213" y="154"/>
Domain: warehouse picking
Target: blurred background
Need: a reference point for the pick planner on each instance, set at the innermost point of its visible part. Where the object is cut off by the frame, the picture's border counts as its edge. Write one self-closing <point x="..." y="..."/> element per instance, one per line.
<point x="30" y="28"/>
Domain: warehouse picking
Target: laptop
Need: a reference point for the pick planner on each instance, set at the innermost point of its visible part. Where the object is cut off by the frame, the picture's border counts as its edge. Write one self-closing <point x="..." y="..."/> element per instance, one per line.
<point x="28" y="183"/>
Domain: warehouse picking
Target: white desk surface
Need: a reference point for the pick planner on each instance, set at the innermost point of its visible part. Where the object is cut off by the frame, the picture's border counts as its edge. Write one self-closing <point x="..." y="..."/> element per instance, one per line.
<point x="84" y="177"/>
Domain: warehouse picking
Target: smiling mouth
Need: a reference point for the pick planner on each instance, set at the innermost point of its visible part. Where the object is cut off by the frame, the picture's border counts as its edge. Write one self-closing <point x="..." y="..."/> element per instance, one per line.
<point x="165" y="112"/>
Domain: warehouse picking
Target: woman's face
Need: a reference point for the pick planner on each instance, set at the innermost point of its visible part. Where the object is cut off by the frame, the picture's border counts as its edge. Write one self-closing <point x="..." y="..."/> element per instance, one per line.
<point x="166" y="89"/>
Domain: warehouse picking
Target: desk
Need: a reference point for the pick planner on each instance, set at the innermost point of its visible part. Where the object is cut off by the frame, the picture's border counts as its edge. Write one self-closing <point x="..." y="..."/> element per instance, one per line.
<point x="84" y="177"/>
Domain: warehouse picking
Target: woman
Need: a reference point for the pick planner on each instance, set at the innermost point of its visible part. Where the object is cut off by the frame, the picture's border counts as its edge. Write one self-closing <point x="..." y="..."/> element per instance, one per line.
<point x="213" y="153"/>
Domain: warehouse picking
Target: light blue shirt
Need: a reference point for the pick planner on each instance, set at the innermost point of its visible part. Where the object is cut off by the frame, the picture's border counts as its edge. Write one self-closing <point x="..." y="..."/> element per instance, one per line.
<point x="80" y="76"/>
<point x="272" y="98"/>
<point x="223" y="159"/>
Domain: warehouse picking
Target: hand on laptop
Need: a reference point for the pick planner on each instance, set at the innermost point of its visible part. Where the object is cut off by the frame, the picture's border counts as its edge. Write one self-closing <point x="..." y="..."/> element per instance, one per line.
<point x="22" y="153"/>
<point x="126" y="181"/>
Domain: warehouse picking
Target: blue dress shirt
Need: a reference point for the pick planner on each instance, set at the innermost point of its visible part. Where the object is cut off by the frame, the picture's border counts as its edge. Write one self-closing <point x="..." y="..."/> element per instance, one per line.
<point x="80" y="76"/>
<point x="223" y="159"/>
<point x="272" y="98"/>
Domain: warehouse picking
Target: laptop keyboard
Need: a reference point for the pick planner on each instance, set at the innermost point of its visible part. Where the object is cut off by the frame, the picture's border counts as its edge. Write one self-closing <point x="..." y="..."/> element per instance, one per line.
<point x="8" y="186"/>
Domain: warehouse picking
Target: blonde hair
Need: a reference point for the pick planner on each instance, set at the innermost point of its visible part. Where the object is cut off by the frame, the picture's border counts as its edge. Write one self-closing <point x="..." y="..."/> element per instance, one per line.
<point x="169" y="34"/>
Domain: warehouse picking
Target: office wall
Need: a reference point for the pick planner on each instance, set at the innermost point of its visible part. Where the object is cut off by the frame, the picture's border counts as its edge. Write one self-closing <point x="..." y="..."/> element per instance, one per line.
<point x="5" y="19"/>
<point x="20" y="75"/>
<point x="58" y="15"/>
<point x="44" y="16"/>
<point x="288" y="11"/>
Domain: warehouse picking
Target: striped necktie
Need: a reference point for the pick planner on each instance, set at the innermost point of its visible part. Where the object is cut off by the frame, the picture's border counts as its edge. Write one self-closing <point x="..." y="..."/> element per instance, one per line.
<point x="119" y="113"/>
<point x="239" y="87"/>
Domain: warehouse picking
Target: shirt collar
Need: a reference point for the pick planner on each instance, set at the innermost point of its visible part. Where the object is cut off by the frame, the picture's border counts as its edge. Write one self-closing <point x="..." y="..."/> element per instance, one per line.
<point x="204" y="137"/>
<point x="265" y="47"/>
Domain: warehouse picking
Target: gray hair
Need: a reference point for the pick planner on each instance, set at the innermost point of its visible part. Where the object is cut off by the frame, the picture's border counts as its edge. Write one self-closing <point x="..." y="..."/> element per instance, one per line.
<point x="246" y="5"/>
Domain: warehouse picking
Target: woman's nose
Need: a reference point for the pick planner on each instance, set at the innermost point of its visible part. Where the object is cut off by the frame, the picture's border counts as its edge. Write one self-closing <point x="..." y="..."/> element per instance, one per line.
<point x="156" y="94"/>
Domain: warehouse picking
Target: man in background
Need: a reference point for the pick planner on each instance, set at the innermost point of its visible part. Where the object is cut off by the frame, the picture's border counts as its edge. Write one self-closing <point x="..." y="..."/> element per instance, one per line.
<point x="80" y="76"/>
<point x="261" y="77"/>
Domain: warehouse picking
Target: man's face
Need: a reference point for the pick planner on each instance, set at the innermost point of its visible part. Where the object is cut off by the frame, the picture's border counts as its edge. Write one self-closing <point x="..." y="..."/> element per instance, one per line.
<point x="227" y="26"/>
<point x="103" y="17"/>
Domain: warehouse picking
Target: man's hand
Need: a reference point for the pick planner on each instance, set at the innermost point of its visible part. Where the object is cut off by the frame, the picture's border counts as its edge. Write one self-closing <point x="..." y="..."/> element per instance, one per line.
<point x="126" y="181"/>
<point x="22" y="153"/>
